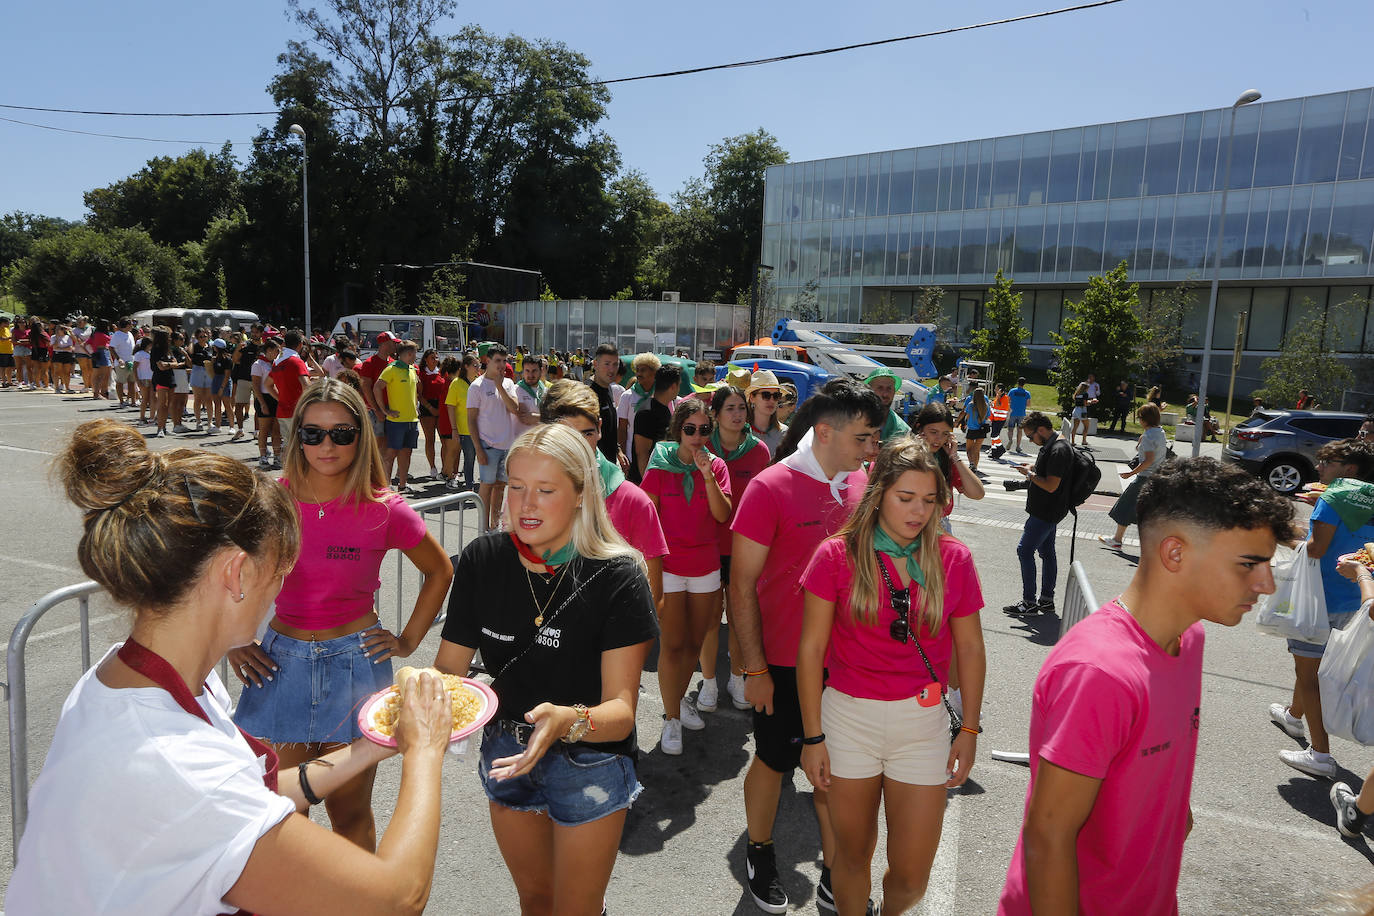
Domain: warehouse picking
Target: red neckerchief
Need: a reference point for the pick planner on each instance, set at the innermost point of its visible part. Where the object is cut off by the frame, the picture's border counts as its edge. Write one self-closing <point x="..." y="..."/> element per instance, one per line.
<point x="524" y="550"/>
<point x="158" y="670"/>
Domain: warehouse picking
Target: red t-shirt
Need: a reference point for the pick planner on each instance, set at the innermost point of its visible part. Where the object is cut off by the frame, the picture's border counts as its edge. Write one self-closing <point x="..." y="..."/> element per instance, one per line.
<point x="790" y="514"/>
<point x="864" y="660"/>
<point x="98" y="340"/>
<point x="371" y="368"/>
<point x="743" y="470"/>
<point x="433" y="385"/>
<point x="690" y="528"/>
<point x="289" y="376"/>
<point x="1111" y="704"/>
<point x="632" y="514"/>
<point x="445" y="427"/>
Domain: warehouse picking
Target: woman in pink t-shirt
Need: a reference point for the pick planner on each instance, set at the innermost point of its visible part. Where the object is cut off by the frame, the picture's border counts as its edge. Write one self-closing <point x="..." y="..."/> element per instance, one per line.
<point x="690" y="487"/>
<point x="745" y="455"/>
<point x="888" y="600"/>
<point x="325" y="649"/>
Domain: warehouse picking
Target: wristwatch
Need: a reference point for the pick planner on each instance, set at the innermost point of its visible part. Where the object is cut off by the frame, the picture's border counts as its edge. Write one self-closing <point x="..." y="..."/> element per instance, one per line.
<point x="580" y="725"/>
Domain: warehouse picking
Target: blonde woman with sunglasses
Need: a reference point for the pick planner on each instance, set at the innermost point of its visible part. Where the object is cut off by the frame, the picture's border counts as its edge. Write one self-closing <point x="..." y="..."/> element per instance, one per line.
<point x="325" y="649"/>
<point x="888" y="601"/>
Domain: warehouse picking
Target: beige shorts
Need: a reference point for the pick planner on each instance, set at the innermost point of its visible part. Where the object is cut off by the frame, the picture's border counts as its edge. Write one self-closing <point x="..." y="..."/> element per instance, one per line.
<point x="896" y="738"/>
<point x="243" y="392"/>
<point x="123" y="374"/>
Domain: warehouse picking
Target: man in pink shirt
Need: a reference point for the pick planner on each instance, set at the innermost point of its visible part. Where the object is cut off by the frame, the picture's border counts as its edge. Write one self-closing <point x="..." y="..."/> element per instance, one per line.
<point x="1115" y="712"/>
<point x="783" y="516"/>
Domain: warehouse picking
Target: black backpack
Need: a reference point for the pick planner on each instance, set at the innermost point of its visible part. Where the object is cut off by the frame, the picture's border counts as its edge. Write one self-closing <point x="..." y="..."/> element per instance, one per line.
<point x="1083" y="478"/>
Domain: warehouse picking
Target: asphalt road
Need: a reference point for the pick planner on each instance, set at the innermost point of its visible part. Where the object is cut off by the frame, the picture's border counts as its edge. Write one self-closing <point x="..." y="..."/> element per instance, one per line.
<point x="1264" y="841"/>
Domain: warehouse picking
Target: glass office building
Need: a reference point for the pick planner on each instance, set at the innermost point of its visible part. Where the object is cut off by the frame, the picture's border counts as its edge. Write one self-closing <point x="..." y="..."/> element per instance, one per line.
<point x="1054" y="208"/>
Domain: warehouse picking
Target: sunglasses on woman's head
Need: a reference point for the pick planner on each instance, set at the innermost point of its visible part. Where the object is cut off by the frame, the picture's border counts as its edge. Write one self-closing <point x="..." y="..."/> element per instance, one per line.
<point x="768" y="395"/>
<point x="339" y="435"/>
<point x="689" y="429"/>
<point x="901" y="628"/>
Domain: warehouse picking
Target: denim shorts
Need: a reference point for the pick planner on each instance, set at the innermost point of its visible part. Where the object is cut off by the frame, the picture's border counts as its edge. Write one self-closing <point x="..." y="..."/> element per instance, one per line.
<point x="1317" y="649"/>
<point x="199" y="377"/>
<point x="221" y="385"/>
<point x="494" y="471"/>
<point x="573" y="784"/>
<point x="100" y="359"/>
<point x="316" y="694"/>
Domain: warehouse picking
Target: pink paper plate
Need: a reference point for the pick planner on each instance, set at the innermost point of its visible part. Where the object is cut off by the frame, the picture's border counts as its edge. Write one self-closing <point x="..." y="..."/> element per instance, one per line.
<point x="373" y="705"/>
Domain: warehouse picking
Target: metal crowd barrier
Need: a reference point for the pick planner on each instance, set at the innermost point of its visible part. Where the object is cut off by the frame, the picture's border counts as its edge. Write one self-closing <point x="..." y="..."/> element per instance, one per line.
<point x="1078" y="604"/>
<point x="15" y="688"/>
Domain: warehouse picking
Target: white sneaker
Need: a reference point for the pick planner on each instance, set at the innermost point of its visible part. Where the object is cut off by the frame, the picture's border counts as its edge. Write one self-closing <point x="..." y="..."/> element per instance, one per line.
<point x="1291" y="724"/>
<point x="434" y="473"/>
<point x="1307" y="761"/>
<point x="671" y="739"/>
<point x="264" y="463"/>
<point x="180" y="428"/>
<point x="735" y="687"/>
<point x="691" y="719"/>
<point x="708" y="696"/>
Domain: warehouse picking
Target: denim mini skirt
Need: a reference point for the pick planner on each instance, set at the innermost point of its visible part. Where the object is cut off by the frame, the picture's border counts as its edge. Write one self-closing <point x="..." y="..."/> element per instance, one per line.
<point x="315" y="695"/>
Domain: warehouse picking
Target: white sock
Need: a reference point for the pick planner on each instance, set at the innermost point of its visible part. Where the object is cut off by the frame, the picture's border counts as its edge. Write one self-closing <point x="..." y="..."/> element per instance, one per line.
<point x="1318" y="755"/>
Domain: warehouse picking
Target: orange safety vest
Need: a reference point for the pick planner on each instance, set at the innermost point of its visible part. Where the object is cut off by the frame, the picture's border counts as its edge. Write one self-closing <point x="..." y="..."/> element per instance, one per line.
<point x="1001" y="407"/>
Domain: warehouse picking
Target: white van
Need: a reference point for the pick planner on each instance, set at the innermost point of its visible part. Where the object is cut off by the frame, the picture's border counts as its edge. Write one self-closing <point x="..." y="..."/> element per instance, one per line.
<point x="439" y="332"/>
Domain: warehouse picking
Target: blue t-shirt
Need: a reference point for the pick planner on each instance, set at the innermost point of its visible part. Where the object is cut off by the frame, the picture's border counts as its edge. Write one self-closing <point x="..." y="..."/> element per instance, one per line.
<point x="1342" y="595"/>
<point x="1019" y="399"/>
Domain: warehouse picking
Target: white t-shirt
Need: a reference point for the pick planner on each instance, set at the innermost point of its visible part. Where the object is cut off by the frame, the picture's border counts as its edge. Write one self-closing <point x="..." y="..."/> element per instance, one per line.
<point x="143" y="365"/>
<point x="332" y="365"/>
<point x="80" y="336"/>
<point x="497" y="426"/>
<point x="141" y="807"/>
<point x="625" y="409"/>
<point x="122" y="342"/>
<point x="1094" y="390"/>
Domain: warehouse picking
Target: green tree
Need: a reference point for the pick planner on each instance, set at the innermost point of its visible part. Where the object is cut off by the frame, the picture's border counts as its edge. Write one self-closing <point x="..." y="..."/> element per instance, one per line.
<point x="1101" y="337"/>
<point x="1002" y="338"/>
<point x="173" y="199"/>
<point x="442" y="294"/>
<point x="1308" y="357"/>
<point x="1161" y="328"/>
<point x="19" y="230"/>
<point x="102" y="273"/>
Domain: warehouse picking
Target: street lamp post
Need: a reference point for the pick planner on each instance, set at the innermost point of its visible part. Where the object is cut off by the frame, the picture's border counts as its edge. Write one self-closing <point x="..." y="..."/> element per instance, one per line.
<point x="754" y="303"/>
<point x="305" y="220"/>
<point x="1250" y="95"/>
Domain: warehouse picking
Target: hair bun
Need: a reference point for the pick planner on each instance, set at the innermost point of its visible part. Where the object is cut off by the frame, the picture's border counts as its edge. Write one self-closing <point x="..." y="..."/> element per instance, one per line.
<point x="105" y="464"/>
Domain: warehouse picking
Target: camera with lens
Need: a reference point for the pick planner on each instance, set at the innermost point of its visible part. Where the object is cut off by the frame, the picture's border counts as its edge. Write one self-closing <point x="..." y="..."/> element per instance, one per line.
<point x="1016" y="484"/>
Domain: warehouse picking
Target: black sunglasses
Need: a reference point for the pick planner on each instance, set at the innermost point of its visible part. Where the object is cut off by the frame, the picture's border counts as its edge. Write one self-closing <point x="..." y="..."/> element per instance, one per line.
<point x="690" y="430"/>
<point x="769" y="395"/>
<point x="339" y="435"/>
<point x="901" y="627"/>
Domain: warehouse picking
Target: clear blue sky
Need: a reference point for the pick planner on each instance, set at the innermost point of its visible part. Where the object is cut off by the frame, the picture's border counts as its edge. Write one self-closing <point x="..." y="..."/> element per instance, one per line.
<point x="1137" y="58"/>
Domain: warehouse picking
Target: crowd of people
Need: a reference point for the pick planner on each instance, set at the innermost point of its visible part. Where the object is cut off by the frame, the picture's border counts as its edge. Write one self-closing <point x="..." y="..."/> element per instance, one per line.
<point x="816" y="535"/>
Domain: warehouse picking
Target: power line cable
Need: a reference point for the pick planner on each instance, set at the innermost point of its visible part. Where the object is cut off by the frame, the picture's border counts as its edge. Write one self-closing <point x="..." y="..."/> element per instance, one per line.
<point x="91" y="133"/>
<point x="757" y="62"/>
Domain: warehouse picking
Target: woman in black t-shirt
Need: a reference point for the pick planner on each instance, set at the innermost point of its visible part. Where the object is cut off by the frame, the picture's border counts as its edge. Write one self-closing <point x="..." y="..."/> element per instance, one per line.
<point x="561" y="610"/>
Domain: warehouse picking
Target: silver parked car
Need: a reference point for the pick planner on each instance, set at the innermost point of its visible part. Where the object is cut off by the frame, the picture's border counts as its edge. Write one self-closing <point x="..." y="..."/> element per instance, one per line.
<point x="1281" y="445"/>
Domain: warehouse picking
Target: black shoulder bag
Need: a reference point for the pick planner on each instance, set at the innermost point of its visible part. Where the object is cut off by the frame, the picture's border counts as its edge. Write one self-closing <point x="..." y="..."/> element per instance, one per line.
<point x="902" y="630"/>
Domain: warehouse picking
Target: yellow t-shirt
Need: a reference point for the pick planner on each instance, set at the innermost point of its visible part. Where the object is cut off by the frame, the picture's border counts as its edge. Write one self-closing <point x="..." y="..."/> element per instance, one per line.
<point x="402" y="391"/>
<point x="6" y="341"/>
<point x="458" y="397"/>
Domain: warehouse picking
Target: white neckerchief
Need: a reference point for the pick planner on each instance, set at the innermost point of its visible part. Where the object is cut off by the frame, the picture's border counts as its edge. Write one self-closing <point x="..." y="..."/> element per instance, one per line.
<point x="803" y="461"/>
<point x="286" y="353"/>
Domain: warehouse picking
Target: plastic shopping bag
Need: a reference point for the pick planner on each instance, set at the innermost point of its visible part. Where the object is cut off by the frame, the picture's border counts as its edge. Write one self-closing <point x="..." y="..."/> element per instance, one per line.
<point x="1346" y="679"/>
<point x="1297" y="609"/>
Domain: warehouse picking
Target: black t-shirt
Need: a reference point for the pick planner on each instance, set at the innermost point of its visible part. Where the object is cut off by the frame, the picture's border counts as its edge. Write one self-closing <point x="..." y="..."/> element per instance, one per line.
<point x="610" y="425"/>
<point x="652" y="423"/>
<point x="1054" y="460"/>
<point x="165" y="378"/>
<point x="243" y="369"/>
<point x="200" y="354"/>
<point x="223" y="362"/>
<point x="491" y="609"/>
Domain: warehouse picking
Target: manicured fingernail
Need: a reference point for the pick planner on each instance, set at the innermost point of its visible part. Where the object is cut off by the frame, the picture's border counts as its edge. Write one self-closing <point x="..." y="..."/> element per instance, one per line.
<point x="269" y="677"/>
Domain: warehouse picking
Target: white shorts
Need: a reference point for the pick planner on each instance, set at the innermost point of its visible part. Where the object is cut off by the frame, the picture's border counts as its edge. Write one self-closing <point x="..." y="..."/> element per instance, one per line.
<point x="1079" y="413"/>
<point x="695" y="585"/>
<point x="182" y="381"/>
<point x="900" y="739"/>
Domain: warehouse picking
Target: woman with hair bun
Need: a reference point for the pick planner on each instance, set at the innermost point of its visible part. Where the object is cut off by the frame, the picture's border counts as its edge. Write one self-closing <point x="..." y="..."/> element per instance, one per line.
<point x="325" y="649"/>
<point x="151" y="801"/>
<point x="561" y="610"/>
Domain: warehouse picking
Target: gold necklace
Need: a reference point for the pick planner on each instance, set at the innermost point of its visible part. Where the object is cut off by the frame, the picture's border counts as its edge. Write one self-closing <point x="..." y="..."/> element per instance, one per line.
<point x="539" y="618"/>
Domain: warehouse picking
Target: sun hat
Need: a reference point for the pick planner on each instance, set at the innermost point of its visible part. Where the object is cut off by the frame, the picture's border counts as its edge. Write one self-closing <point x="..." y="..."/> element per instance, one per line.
<point x="739" y="377"/>
<point x="762" y="380"/>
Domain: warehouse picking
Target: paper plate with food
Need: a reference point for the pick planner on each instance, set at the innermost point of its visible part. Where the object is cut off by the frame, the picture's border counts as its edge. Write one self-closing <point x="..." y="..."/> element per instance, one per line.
<point x="474" y="704"/>
<point x="1361" y="556"/>
<point x="1316" y="487"/>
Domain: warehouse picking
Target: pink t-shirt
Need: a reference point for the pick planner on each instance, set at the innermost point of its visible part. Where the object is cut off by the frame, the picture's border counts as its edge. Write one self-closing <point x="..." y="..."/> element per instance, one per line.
<point x="633" y="515"/>
<point x="341" y="554"/>
<point x="864" y="660"/>
<point x="1109" y="703"/>
<point x="743" y="470"/>
<point x="790" y="514"/>
<point x="689" y="528"/>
